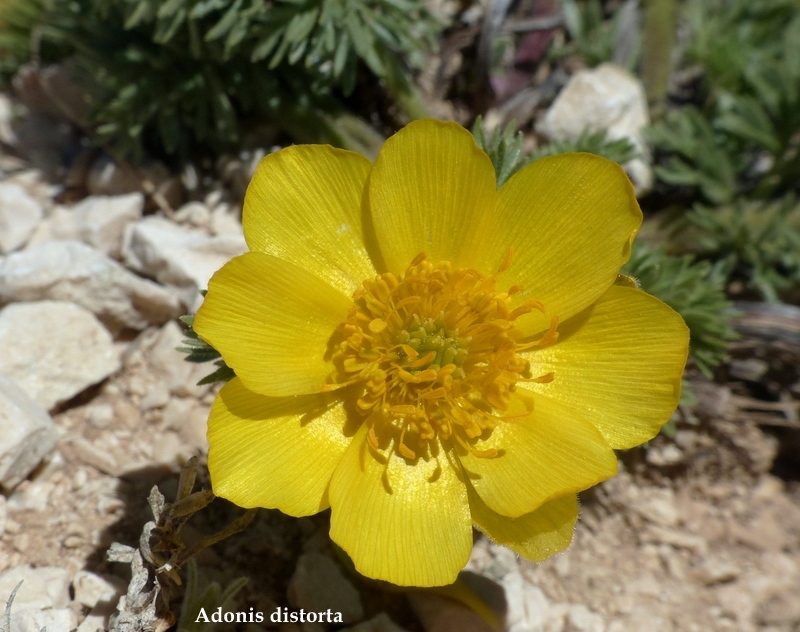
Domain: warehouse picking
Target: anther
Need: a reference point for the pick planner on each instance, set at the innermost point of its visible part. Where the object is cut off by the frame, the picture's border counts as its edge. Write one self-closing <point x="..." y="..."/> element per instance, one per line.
<point x="509" y="257"/>
<point x="418" y="259"/>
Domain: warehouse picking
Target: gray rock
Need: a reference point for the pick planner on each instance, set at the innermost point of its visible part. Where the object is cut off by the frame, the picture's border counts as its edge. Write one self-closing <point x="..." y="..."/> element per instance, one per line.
<point x="44" y="587"/>
<point x="178" y="257"/>
<point x="19" y="215"/>
<point x="58" y="620"/>
<point x="28" y="435"/>
<point x="604" y="98"/>
<point x="318" y="584"/>
<point x="54" y="350"/>
<point x="74" y="272"/>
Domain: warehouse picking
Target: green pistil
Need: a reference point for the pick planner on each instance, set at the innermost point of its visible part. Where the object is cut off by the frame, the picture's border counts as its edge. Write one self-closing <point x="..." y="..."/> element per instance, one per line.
<point x="430" y="334"/>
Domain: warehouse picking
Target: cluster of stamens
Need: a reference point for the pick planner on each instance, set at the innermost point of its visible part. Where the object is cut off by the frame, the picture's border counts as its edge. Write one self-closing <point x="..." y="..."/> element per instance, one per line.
<point x="436" y="352"/>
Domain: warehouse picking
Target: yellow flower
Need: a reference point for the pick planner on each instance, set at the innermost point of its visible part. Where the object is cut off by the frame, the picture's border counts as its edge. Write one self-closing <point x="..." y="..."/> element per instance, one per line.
<point x="423" y="352"/>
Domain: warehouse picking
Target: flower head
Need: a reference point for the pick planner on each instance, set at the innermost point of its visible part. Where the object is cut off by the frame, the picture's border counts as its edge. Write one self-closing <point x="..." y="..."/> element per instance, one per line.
<point x="423" y="352"/>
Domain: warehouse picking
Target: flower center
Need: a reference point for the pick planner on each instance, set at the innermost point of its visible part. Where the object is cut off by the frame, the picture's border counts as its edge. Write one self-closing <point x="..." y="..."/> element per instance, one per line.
<point x="437" y="352"/>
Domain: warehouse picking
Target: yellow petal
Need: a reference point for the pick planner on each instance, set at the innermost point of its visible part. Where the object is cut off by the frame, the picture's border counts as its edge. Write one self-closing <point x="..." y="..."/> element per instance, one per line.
<point x="536" y="535"/>
<point x="410" y="525"/>
<point x="551" y="452"/>
<point x="619" y="364"/>
<point x="304" y="205"/>
<point x="271" y="321"/>
<point x="275" y="452"/>
<point x="431" y="190"/>
<point x="570" y="220"/>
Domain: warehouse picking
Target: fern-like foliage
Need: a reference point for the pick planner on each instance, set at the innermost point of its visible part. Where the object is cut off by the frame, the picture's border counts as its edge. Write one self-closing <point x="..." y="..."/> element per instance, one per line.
<point x="196" y="73"/>
<point x="504" y="148"/>
<point x="619" y="150"/>
<point x="326" y="36"/>
<point x="759" y="243"/>
<point x="696" y="155"/>
<point x="17" y="21"/>
<point x="199" y="351"/>
<point x="745" y="137"/>
<point x="732" y="39"/>
<point x="693" y="289"/>
<point x="592" y="35"/>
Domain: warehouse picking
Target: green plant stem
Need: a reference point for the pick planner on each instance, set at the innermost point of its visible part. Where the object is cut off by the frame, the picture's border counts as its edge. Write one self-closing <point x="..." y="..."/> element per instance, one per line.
<point x="660" y="21"/>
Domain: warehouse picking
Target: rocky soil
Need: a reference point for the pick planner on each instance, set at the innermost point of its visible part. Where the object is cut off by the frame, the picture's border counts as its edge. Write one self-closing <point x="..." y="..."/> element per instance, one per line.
<point x="699" y="531"/>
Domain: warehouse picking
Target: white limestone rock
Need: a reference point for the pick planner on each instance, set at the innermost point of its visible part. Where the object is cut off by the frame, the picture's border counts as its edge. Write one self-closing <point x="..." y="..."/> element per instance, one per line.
<point x="7" y="134"/>
<point x="54" y="350"/>
<point x="195" y="215"/>
<point x="91" y="589"/>
<point x="226" y="221"/>
<point x="178" y="257"/>
<point x="609" y="98"/>
<point x="31" y="496"/>
<point x="19" y="216"/>
<point x="44" y="587"/>
<point x="107" y="177"/>
<point x="59" y="224"/>
<point x="74" y="272"/>
<point x="56" y="620"/>
<point x="100" y="220"/>
<point x="169" y="365"/>
<point x="27" y="432"/>
<point x="528" y="606"/>
<point x="580" y="619"/>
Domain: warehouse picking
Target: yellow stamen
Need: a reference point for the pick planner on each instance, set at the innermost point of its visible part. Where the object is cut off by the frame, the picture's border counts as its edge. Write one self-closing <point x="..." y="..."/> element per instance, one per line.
<point x="436" y="352"/>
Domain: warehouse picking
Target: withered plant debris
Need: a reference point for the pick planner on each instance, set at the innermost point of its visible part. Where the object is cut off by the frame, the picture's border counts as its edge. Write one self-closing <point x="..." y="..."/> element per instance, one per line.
<point x="155" y="580"/>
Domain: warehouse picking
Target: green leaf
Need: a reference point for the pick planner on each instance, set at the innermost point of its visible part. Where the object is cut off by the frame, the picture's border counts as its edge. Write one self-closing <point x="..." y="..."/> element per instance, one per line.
<point x="137" y="16"/>
<point x="169" y="8"/>
<point x="225" y="24"/>
<point x="265" y="47"/>
<point x="223" y="374"/>
<point x="204" y="7"/>
<point x="301" y="25"/>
